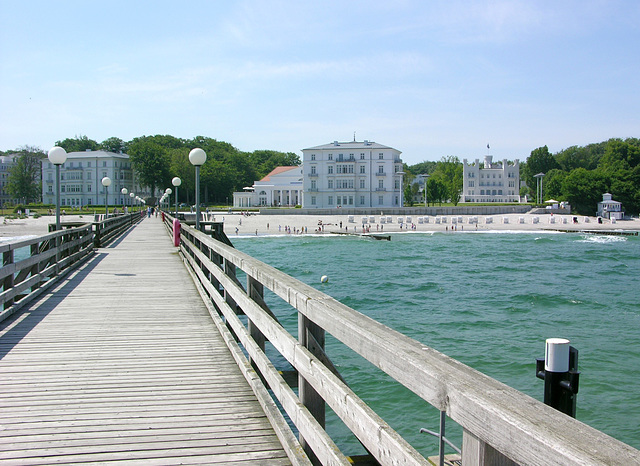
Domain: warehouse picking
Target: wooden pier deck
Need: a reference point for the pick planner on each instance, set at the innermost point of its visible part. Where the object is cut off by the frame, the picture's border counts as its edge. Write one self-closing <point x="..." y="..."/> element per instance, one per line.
<point x="122" y="362"/>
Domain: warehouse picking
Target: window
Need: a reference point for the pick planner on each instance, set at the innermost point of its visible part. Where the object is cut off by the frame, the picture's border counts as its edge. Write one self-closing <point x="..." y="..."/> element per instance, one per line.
<point x="313" y="156"/>
<point x="330" y="201"/>
<point x="362" y="168"/>
<point x="350" y="200"/>
<point x="330" y="156"/>
<point x="397" y="184"/>
<point x="380" y="184"/>
<point x="381" y="169"/>
<point x="482" y="192"/>
<point x="330" y="184"/>
<point x="313" y="169"/>
<point x="361" y="200"/>
<point x="512" y="184"/>
<point x="314" y="184"/>
<point x="361" y="156"/>
<point x="89" y="164"/>
<point x="313" y="200"/>
<point x="361" y="184"/>
<point x="471" y="184"/>
<point x="104" y="164"/>
<point x="88" y="188"/>
<point x="330" y="169"/>
<point x="381" y="156"/>
<point x="380" y="200"/>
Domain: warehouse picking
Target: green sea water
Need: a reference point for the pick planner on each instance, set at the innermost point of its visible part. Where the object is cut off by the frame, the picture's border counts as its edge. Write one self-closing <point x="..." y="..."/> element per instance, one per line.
<point x="487" y="299"/>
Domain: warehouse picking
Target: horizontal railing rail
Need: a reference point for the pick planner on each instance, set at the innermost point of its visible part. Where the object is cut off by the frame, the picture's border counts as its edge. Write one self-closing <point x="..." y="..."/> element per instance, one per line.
<point x="500" y="424"/>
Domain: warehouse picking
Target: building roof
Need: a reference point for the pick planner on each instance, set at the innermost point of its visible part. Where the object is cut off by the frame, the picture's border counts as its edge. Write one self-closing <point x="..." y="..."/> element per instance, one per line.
<point x="95" y="153"/>
<point x="351" y="145"/>
<point x="278" y="171"/>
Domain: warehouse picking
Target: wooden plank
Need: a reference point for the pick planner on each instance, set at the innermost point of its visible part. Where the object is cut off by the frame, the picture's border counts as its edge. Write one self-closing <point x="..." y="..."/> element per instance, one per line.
<point x="121" y="361"/>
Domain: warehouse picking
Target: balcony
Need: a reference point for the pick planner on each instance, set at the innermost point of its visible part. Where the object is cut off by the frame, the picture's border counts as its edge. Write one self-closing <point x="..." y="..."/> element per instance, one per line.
<point x="381" y="174"/>
<point x="312" y="175"/>
<point x="381" y="189"/>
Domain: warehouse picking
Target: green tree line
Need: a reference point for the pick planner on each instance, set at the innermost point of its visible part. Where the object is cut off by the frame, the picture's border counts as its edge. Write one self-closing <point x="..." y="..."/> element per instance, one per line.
<point x="157" y="159"/>
<point x="581" y="175"/>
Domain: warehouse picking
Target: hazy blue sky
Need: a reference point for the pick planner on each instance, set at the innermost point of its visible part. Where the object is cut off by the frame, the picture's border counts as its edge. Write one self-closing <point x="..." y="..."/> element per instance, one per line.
<point x="429" y="78"/>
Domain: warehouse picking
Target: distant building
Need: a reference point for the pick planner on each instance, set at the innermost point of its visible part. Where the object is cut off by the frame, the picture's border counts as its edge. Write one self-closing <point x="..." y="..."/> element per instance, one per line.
<point x="81" y="179"/>
<point x="609" y="208"/>
<point x="6" y="162"/>
<point x="281" y="187"/>
<point x="491" y="182"/>
<point x="352" y="174"/>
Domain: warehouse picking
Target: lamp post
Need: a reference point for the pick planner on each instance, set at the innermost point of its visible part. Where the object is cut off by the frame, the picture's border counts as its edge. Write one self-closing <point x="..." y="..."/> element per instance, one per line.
<point x="106" y="182"/>
<point x="132" y="195"/>
<point x="401" y="173"/>
<point x="124" y="192"/>
<point x="426" y="178"/>
<point x="57" y="156"/>
<point x="538" y="178"/>
<point x="167" y="193"/>
<point x="197" y="157"/>
<point x="176" y="182"/>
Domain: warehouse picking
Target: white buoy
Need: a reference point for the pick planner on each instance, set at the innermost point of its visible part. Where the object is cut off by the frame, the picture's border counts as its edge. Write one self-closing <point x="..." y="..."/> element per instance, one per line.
<point x="324" y="279"/>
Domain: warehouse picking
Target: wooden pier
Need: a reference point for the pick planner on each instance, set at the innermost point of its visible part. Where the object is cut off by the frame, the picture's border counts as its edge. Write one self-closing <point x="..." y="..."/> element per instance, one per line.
<point x="145" y="353"/>
<point x="122" y="362"/>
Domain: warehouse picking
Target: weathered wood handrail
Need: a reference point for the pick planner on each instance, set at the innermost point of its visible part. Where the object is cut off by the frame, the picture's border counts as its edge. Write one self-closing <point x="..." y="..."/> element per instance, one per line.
<point x="501" y="425"/>
<point x="50" y="255"/>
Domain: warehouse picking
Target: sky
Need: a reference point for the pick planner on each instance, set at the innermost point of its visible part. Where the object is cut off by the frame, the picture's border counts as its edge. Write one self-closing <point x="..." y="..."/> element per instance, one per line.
<point x="429" y="78"/>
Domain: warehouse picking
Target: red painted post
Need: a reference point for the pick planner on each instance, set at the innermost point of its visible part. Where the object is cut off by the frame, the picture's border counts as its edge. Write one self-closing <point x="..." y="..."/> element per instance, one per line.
<point x="176" y="232"/>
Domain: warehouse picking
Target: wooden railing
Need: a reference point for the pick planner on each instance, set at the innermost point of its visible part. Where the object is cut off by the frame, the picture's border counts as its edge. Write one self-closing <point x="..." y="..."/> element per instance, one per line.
<point x="500" y="425"/>
<point x="111" y="228"/>
<point x="51" y="256"/>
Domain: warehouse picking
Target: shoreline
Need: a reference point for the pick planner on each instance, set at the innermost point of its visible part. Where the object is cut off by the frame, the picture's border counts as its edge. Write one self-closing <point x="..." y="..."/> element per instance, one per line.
<point x="298" y="225"/>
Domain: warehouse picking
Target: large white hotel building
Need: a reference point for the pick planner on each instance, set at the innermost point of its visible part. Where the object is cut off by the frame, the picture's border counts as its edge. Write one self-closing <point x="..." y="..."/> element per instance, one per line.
<point x="81" y="179"/>
<point x="351" y="174"/>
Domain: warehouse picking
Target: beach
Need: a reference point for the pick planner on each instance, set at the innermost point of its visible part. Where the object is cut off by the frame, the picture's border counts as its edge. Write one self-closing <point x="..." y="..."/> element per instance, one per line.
<point x="252" y="224"/>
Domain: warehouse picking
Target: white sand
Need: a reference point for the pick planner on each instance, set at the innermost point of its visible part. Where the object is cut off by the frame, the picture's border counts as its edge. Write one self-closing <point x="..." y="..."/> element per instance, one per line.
<point x="281" y="224"/>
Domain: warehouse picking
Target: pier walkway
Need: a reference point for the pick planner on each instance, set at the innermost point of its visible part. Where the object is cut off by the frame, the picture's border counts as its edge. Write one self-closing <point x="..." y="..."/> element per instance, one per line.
<point x="122" y="362"/>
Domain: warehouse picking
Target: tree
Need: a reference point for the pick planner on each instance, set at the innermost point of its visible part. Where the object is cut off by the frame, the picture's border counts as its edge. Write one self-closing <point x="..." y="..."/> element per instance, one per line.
<point x="583" y="189"/>
<point x="150" y="162"/>
<point x="114" y="144"/>
<point x="540" y="161"/>
<point x="78" y="144"/>
<point x="25" y="177"/>
<point x="448" y="173"/>
<point x="553" y="181"/>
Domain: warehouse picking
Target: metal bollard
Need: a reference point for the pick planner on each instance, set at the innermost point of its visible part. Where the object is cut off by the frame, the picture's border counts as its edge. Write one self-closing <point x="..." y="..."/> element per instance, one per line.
<point x="559" y="370"/>
<point x="176" y="232"/>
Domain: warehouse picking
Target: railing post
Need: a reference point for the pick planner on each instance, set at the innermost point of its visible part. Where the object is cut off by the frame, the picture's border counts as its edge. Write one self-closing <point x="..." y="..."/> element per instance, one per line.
<point x="35" y="269"/>
<point x="7" y="284"/>
<point x="475" y="452"/>
<point x="308" y="330"/>
<point x="255" y="291"/>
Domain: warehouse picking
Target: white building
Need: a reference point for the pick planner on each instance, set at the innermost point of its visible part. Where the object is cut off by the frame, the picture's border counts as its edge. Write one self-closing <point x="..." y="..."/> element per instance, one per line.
<point x="491" y="182"/>
<point x="609" y="208"/>
<point x="6" y="162"/>
<point x="81" y="179"/>
<point x="352" y="174"/>
<point x="281" y="187"/>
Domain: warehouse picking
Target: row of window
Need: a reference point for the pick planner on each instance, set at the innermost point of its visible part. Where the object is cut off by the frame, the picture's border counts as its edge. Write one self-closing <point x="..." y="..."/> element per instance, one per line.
<point x="348" y="200"/>
<point x="123" y="165"/>
<point x="491" y="175"/>
<point x="349" y="169"/>
<point x="490" y="192"/>
<point x="341" y="157"/>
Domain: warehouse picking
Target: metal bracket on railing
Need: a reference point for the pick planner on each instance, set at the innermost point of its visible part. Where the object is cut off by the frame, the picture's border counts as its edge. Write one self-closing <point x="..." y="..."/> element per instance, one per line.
<point x="442" y="439"/>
